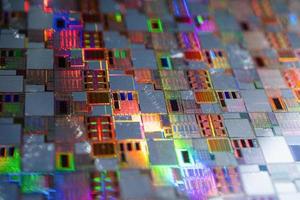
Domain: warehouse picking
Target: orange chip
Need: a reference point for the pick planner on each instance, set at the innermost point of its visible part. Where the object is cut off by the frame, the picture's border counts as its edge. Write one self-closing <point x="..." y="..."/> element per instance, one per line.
<point x="219" y="145"/>
<point x="143" y="76"/>
<point x="193" y="55"/>
<point x="287" y="56"/>
<point x="207" y="96"/>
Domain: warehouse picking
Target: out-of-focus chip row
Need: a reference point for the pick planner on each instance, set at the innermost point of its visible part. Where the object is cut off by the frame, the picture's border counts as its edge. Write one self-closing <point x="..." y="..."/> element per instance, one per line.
<point x="161" y="99"/>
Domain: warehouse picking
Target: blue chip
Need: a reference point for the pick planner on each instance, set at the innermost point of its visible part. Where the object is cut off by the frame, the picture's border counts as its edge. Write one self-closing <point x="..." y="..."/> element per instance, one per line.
<point x="263" y="168"/>
<point x="164" y="62"/>
<point x="165" y="120"/>
<point x="227" y="95"/>
<point x="123" y="97"/>
<point x="7" y="98"/>
<point x="129" y="96"/>
<point x="295" y="149"/>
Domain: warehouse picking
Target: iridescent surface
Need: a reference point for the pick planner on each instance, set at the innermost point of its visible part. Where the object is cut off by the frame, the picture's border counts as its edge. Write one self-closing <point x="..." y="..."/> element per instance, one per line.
<point x="153" y="99"/>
